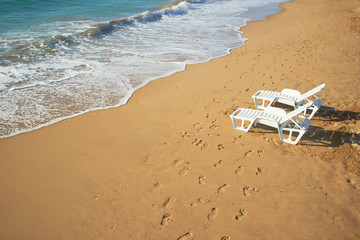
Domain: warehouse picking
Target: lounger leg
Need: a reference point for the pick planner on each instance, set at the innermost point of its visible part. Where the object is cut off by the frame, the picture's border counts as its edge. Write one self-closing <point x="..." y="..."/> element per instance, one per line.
<point x="234" y="122"/>
<point x="289" y="140"/>
<point x="242" y="124"/>
<point x="315" y="107"/>
<point x="303" y="127"/>
<point x="256" y="102"/>
<point x="262" y="106"/>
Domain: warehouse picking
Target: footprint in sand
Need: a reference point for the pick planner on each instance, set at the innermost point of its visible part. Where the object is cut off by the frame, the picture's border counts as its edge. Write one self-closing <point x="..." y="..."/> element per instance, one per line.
<point x="201" y="179"/>
<point x="222" y="188"/>
<point x="353" y="184"/>
<point x="246" y="191"/>
<point x="168" y="202"/>
<point x="237" y="139"/>
<point x="259" y="171"/>
<point x="212" y="215"/>
<point x="198" y="127"/>
<point x="242" y="213"/>
<point x="178" y="162"/>
<point x="219" y="163"/>
<point x="239" y="170"/>
<point x="149" y="159"/>
<point x="247" y="154"/>
<point x="199" y="201"/>
<point x="204" y="147"/>
<point x="185" y="236"/>
<point x="225" y="238"/>
<point x="338" y="222"/>
<point x="260" y="153"/>
<point x="220" y="147"/>
<point x="157" y="186"/>
<point x="214" y="126"/>
<point x="186" y="134"/>
<point x="166" y="217"/>
<point x="213" y="134"/>
<point x="197" y="142"/>
<point x="184" y="171"/>
<point x="200" y="143"/>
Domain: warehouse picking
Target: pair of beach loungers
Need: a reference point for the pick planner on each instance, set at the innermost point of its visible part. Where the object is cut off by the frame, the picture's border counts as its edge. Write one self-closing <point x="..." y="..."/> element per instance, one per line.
<point x="291" y="126"/>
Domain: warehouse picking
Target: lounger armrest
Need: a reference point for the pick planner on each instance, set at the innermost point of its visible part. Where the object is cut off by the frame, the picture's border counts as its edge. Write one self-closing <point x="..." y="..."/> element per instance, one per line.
<point x="297" y="111"/>
<point x="257" y="93"/>
<point x="236" y="112"/>
<point x="313" y="91"/>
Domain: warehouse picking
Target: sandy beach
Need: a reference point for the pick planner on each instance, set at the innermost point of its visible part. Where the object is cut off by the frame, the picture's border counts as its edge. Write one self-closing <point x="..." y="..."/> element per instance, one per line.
<point x="169" y="165"/>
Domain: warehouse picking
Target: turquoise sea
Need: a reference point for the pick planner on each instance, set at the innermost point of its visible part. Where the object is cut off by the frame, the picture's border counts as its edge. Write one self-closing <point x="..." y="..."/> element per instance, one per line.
<point x="59" y="59"/>
<point x="22" y="15"/>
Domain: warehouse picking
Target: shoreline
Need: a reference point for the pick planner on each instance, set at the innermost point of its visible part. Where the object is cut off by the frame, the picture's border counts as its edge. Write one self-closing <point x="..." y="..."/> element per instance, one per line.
<point x="169" y="165"/>
<point x="266" y="11"/>
<point x="254" y="14"/>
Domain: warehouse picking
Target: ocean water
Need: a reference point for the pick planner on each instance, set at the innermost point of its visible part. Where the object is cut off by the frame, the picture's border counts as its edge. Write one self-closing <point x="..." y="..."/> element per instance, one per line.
<point x="59" y="59"/>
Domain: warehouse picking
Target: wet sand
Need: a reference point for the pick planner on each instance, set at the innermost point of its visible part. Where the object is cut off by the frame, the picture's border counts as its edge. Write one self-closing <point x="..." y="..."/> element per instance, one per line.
<point x="169" y="165"/>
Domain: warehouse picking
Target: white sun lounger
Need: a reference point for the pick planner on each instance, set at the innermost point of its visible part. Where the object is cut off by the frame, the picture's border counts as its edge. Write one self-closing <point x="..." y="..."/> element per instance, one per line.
<point x="275" y="117"/>
<point x="290" y="97"/>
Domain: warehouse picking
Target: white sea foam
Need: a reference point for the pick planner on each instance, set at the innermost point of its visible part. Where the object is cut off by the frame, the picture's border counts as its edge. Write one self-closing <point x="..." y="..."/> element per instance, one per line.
<point x="77" y="67"/>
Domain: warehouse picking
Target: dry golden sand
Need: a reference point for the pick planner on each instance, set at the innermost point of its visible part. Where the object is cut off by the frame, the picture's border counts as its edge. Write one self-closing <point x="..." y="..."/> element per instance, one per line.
<point x="169" y="165"/>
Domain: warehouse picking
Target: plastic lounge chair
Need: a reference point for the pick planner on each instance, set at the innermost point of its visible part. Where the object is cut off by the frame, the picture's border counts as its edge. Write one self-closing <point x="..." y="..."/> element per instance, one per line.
<point x="290" y="97"/>
<point x="275" y="117"/>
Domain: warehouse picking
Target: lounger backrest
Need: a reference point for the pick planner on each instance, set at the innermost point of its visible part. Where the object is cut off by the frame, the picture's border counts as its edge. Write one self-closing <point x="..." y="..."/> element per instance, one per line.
<point x="313" y="91"/>
<point x="296" y="112"/>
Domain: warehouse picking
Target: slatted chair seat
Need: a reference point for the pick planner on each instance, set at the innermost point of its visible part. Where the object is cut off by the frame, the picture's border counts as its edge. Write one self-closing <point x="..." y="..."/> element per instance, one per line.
<point x="264" y="98"/>
<point x="275" y="117"/>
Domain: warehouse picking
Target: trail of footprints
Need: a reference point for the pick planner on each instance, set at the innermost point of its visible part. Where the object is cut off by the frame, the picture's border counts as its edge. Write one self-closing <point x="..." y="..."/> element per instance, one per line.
<point x="200" y="143"/>
<point x="213" y="213"/>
